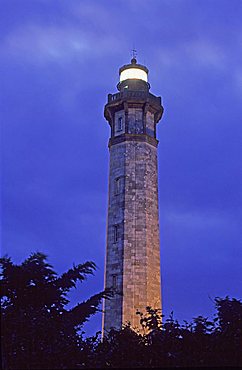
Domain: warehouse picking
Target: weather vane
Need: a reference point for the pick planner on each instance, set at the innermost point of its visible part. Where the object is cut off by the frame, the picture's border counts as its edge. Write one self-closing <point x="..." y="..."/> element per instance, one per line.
<point x="134" y="53"/>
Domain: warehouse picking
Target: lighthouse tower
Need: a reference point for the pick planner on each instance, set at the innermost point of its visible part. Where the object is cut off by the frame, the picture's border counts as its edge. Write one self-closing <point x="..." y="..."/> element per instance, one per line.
<point x="132" y="268"/>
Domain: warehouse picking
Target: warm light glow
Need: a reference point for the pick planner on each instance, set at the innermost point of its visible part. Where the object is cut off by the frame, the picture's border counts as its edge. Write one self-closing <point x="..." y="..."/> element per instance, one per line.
<point x="135" y="73"/>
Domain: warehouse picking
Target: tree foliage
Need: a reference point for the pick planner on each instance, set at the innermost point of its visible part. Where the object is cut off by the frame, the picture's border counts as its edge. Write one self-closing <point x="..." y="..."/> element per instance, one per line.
<point x="39" y="332"/>
<point x="201" y="343"/>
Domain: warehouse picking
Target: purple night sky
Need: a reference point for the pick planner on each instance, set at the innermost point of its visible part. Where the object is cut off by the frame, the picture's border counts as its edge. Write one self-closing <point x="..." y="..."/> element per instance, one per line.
<point x="58" y="62"/>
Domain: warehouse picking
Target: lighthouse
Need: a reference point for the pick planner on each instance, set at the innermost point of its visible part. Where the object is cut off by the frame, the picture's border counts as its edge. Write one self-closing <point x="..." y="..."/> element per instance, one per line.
<point x="132" y="266"/>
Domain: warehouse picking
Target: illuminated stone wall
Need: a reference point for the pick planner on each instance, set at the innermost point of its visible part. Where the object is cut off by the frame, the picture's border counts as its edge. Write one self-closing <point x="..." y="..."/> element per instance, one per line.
<point x="133" y="258"/>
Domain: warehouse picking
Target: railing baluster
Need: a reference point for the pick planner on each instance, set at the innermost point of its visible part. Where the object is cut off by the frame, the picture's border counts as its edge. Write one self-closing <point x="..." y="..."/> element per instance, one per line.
<point x="134" y="94"/>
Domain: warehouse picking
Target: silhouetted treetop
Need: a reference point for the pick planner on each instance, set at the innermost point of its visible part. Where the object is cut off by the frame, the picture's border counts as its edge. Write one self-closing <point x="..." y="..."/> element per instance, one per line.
<point x="37" y="328"/>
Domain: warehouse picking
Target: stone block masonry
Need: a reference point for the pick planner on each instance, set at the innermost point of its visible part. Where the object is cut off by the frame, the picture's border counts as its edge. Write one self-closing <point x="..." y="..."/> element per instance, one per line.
<point x="133" y="255"/>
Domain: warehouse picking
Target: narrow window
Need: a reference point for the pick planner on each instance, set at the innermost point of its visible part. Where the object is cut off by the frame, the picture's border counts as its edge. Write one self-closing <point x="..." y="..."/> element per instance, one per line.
<point x="120" y="123"/>
<point x="115" y="233"/>
<point x="117" y="186"/>
<point x="114" y="281"/>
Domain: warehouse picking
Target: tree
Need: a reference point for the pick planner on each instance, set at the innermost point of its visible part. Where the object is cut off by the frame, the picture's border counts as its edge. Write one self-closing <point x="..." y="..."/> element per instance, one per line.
<point x="201" y="343"/>
<point x="228" y="333"/>
<point x="38" y="331"/>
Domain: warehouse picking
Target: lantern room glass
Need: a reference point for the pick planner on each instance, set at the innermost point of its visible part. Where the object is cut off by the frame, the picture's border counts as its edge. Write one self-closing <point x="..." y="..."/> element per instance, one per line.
<point x="133" y="73"/>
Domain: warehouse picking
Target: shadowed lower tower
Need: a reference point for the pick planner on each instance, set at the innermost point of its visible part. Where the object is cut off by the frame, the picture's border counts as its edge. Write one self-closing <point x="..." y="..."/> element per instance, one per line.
<point x="133" y="243"/>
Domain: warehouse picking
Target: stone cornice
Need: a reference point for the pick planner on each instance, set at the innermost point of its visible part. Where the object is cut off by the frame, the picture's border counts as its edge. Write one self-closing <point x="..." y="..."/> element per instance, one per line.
<point x="133" y="137"/>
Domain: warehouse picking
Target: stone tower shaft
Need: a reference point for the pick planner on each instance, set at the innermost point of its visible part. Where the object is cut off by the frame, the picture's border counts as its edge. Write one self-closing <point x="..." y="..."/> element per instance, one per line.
<point x="133" y="244"/>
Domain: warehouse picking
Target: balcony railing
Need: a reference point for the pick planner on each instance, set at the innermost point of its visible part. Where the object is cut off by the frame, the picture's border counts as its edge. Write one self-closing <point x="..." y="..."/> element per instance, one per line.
<point x="134" y="95"/>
